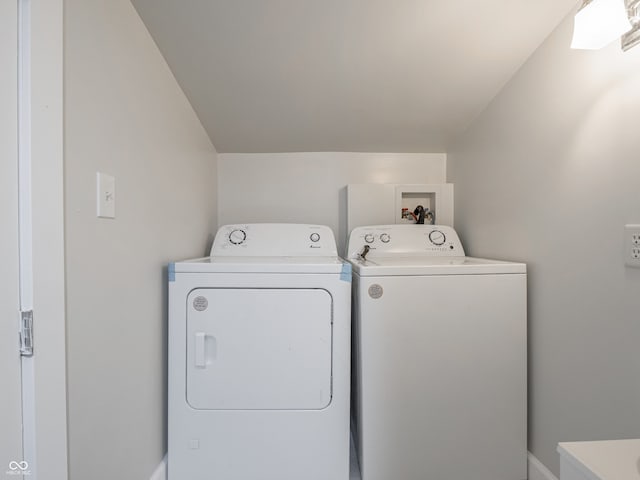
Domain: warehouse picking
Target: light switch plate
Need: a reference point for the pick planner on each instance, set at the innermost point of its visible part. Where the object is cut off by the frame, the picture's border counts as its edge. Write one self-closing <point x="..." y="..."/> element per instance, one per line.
<point x="106" y="195"/>
<point x="632" y="245"/>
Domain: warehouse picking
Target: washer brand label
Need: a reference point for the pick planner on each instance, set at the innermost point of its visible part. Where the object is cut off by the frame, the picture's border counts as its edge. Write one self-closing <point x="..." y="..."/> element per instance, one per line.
<point x="375" y="291"/>
<point x="200" y="303"/>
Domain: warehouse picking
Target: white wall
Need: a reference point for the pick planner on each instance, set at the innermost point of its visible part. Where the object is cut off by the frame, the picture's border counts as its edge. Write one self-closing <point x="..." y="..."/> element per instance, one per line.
<point x="549" y="174"/>
<point x="125" y="115"/>
<point x="45" y="411"/>
<point x="311" y="187"/>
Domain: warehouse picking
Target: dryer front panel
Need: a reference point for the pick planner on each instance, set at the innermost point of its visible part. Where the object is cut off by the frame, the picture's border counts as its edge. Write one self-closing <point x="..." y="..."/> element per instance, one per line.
<point x="259" y="349"/>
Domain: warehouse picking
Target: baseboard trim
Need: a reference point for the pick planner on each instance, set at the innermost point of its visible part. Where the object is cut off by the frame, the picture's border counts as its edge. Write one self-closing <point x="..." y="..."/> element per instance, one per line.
<point x="160" y="473"/>
<point x="537" y="470"/>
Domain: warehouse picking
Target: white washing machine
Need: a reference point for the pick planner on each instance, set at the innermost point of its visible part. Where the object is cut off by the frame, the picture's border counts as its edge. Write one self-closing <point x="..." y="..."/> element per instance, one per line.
<point x="259" y="352"/>
<point x="439" y="358"/>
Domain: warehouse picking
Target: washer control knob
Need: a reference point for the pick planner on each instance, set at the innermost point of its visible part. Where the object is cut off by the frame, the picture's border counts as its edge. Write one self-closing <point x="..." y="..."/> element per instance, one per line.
<point x="384" y="237"/>
<point x="237" y="236"/>
<point x="437" y="237"/>
<point x="314" y="237"/>
<point x="369" y="238"/>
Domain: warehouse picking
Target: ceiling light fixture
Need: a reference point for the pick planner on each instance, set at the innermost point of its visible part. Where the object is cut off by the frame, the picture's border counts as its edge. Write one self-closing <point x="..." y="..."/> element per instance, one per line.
<point x="600" y="22"/>
<point x="632" y="37"/>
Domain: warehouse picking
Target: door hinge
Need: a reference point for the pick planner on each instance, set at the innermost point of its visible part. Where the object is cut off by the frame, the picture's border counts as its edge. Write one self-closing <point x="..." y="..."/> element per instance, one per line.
<point x="26" y="333"/>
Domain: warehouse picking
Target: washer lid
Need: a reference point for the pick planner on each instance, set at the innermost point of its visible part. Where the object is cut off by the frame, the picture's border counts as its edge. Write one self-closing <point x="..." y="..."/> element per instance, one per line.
<point x="407" y="266"/>
<point x="330" y="265"/>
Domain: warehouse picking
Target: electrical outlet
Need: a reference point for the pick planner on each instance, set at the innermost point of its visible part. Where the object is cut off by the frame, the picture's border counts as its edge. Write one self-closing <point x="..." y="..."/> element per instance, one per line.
<point x="632" y="245"/>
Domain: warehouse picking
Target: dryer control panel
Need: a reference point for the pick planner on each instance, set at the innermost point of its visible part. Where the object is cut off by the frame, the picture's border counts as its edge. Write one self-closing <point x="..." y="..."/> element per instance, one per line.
<point x="404" y="240"/>
<point x="274" y="240"/>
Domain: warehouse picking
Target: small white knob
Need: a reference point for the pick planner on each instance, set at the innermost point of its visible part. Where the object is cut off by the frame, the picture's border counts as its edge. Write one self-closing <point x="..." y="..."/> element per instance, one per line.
<point x="314" y="237"/>
<point x="437" y="237"/>
<point x="369" y="238"/>
<point x="237" y="236"/>
<point x="384" y="238"/>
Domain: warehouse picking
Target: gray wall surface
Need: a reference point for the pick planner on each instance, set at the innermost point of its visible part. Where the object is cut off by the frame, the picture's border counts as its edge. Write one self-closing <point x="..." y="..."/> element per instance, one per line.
<point x="126" y="116"/>
<point x="310" y="187"/>
<point x="549" y="174"/>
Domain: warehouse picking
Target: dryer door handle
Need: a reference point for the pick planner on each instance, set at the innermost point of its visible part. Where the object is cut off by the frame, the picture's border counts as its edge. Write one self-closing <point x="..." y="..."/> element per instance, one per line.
<point x="200" y="350"/>
<point x="205" y="349"/>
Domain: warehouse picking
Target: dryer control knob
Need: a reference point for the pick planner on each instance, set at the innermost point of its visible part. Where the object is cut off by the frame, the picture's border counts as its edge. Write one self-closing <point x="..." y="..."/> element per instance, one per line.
<point x="384" y="238"/>
<point x="314" y="237"/>
<point x="437" y="237"/>
<point x="369" y="238"/>
<point x="237" y="236"/>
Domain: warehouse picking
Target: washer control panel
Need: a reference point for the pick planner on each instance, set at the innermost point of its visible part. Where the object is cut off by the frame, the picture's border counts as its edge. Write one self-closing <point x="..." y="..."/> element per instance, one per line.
<point x="274" y="240"/>
<point x="405" y="240"/>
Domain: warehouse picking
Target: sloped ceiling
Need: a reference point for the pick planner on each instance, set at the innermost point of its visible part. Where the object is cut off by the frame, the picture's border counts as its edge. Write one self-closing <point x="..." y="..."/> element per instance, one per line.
<point x="344" y="75"/>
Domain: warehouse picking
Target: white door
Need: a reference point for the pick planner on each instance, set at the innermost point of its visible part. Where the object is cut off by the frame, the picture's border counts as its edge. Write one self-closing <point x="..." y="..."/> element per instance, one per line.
<point x="259" y="349"/>
<point x="11" y="461"/>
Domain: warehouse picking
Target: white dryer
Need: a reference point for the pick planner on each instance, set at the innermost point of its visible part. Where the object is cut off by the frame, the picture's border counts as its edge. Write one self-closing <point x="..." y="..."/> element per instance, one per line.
<point x="439" y="370"/>
<point x="259" y="352"/>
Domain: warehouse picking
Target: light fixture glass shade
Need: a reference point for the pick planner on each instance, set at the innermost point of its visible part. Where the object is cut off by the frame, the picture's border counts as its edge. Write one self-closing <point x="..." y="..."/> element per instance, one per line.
<point x="599" y="23"/>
